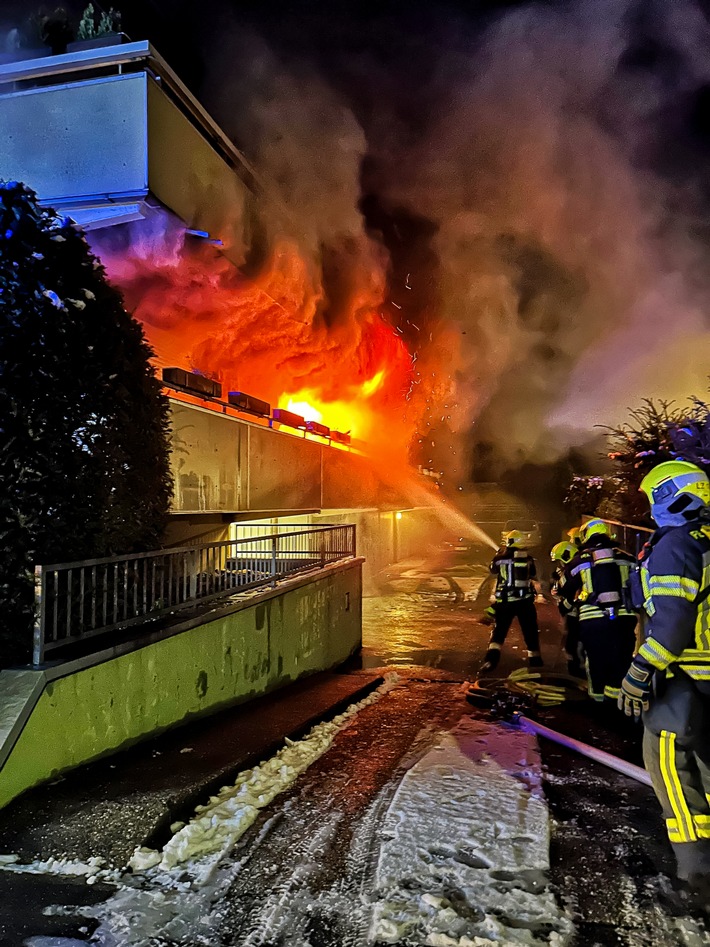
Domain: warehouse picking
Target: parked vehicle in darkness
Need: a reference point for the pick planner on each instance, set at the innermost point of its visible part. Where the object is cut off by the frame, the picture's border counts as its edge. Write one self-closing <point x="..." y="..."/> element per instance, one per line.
<point x="529" y="528"/>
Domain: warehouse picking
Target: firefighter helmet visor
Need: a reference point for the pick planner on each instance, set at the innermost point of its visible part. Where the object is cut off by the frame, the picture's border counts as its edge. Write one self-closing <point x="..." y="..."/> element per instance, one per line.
<point x="677" y="490"/>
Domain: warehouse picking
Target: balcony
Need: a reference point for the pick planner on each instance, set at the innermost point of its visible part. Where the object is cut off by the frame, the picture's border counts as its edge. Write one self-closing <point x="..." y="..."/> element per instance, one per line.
<point x="111" y="135"/>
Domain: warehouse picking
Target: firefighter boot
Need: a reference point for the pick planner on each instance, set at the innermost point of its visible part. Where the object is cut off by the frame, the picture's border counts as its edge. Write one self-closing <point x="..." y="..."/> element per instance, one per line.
<point x="490" y="662"/>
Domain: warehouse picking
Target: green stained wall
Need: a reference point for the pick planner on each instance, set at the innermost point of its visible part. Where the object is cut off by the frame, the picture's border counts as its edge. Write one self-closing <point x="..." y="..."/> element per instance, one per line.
<point x="91" y="711"/>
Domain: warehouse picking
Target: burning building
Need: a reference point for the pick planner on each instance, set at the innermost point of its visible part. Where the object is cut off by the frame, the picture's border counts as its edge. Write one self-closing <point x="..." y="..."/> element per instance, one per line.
<point x="292" y="391"/>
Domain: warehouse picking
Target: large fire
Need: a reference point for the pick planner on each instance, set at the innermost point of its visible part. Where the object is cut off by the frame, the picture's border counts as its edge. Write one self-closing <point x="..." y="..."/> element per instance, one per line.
<point x="355" y="416"/>
<point x="274" y="335"/>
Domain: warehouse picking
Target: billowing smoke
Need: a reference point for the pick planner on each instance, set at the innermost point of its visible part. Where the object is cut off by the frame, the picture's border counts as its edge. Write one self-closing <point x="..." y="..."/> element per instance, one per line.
<point x="525" y="195"/>
<point x="566" y="207"/>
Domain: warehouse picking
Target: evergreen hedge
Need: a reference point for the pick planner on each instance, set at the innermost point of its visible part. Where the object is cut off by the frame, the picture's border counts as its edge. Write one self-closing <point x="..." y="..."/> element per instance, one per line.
<point x="83" y="424"/>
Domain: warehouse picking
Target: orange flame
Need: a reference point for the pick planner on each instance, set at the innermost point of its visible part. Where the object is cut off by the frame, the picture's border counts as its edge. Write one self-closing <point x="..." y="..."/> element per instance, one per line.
<point x="273" y="336"/>
<point x="354" y="416"/>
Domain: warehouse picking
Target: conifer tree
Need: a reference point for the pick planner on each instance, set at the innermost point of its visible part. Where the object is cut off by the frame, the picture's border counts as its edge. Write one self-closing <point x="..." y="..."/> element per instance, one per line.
<point x="655" y="432"/>
<point x="84" y="427"/>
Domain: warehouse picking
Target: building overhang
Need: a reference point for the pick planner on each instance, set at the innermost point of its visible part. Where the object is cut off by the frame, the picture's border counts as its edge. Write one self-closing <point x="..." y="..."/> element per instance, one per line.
<point x="106" y="135"/>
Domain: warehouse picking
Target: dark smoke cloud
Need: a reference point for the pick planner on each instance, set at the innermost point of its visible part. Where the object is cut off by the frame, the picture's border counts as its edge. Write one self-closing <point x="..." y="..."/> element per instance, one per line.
<point x="558" y="153"/>
<point x="308" y="146"/>
<point x="564" y="252"/>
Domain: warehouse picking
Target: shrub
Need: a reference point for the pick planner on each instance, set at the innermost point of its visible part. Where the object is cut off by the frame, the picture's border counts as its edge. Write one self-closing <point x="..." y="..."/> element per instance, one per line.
<point x="83" y="425"/>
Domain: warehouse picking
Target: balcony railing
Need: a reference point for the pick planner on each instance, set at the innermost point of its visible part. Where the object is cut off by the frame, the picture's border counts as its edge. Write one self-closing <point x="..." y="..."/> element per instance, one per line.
<point x="77" y="601"/>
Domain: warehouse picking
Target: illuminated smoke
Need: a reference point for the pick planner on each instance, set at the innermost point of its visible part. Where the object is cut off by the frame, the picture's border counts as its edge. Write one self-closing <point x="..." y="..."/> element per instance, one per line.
<point x="566" y="254"/>
<point x="305" y="322"/>
<point x="550" y="153"/>
<point x="267" y="334"/>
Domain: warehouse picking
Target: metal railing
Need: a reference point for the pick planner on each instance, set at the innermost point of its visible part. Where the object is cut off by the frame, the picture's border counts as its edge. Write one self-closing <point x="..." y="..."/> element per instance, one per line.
<point x="628" y="536"/>
<point x="75" y="601"/>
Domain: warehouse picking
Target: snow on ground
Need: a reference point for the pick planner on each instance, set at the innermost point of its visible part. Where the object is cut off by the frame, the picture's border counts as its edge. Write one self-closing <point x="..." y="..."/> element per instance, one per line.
<point x="91" y="869"/>
<point x="219" y="824"/>
<point x="466" y="847"/>
<point x="460" y="857"/>
<point x="464" y="851"/>
<point x="170" y="890"/>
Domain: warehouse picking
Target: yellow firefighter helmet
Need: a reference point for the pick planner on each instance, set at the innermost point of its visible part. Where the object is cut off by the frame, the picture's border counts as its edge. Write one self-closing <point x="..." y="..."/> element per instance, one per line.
<point x="595" y="527"/>
<point x="563" y="552"/>
<point x="677" y="490"/>
<point x="515" y="538"/>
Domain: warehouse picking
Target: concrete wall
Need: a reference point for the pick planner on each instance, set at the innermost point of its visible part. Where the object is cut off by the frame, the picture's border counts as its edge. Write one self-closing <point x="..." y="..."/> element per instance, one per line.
<point x="113" y="140"/>
<point x="77" y="139"/>
<point x="86" y="710"/>
<point x="189" y="177"/>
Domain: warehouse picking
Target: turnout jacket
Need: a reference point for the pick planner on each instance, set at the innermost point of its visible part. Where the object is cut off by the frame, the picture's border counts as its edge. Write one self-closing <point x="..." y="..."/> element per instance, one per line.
<point x="557" y="587"/>
<point x="595" y="581"/>
<point x="675" y="590"/>
<point x="514" y="570"/>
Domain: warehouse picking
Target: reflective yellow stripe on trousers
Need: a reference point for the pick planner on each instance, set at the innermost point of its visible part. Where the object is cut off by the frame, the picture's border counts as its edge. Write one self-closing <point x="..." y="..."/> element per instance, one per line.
<point x="684" y="829"/>
<point x="702" y="828"/>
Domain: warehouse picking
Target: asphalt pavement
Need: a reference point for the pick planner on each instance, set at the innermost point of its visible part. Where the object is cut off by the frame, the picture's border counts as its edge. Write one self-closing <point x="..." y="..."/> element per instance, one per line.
<point x="611" y="863"/>
<point x="109" y="808"/>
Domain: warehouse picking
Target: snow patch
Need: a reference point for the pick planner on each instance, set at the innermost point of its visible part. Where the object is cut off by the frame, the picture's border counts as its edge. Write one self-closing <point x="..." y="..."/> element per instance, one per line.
<point x="54" y="866"/>
<point x="466" y="847"/>
<point x="172" y="892"/>
<point x="219" y="824"/>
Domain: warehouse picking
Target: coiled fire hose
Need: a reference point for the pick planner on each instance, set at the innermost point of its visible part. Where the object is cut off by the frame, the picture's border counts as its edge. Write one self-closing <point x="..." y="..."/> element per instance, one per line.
<point x="540" y="687"/>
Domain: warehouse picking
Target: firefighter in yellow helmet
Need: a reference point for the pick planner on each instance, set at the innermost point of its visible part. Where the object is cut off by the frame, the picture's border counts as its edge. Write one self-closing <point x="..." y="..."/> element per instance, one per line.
<point x="561" y="555"/>
<point x="595" y="584"/>
<point x="669" y="678"/>
<point x="515" y="573"/>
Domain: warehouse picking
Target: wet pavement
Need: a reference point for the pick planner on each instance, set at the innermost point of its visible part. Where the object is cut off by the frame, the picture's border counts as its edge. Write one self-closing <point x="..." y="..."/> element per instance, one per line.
<point x="345" y="794"/>
<point x="107" y="809"/>
<point x="303" y="871"/>
<point x="428" y="613"/>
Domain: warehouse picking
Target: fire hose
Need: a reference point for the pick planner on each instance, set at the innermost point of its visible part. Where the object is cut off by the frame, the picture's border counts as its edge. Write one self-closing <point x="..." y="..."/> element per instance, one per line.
<point x="547" y="690"/>
<point x="584" y="749"/>
<point x="507" y="697"/>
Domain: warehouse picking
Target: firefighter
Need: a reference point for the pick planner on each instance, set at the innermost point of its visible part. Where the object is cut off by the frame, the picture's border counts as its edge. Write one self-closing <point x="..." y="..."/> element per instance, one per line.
<point x="561" y="555"/>
<point x="669" y="679"/>
<point x="595" y="585"/>
<point x="515" y="572"/>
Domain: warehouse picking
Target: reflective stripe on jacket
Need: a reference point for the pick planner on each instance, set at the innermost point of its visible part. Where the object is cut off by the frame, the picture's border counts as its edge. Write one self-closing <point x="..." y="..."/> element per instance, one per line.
<point x="596" y="579"/>
<point x="675" y="579"/>
<point x="514" y="570"/>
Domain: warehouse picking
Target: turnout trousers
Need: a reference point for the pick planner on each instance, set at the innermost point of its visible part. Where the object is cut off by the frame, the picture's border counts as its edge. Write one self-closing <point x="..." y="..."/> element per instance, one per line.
<point x="524" y="610"/>
<point x="571" y="625"/>
<point x="676" y="751"/>
<point x="608" y="645"/>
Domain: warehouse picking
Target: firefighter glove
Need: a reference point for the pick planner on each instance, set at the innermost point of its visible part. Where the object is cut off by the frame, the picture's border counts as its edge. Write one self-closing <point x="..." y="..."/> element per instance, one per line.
<point x="635" y="690"/>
